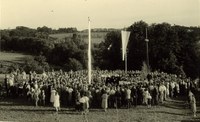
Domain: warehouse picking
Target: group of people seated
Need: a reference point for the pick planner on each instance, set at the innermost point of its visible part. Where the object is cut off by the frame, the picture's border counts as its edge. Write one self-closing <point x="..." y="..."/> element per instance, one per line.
<point x="71" y="89"/>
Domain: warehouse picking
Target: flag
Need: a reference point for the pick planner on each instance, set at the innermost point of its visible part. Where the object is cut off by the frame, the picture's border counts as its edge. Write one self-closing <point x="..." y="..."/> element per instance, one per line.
<point x="125" y="39"/>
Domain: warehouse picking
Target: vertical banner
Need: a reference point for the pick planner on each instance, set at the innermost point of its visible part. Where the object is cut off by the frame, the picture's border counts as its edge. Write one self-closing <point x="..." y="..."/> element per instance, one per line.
<point x="125" y="39"/>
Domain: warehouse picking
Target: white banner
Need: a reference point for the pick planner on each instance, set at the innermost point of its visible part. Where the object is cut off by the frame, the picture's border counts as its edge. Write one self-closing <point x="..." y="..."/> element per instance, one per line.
<point x="125" y="39"/>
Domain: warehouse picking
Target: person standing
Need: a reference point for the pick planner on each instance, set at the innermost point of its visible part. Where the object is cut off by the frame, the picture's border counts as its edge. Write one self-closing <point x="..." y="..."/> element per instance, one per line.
<point x="155" y="95"/>
<point x="118" y="98"/>
<point x="162" y="90"/>
<point x="192" y="102"/>
<point x="84" y="103"/>
<point x="128" y="97"/>
<point x="104" y="103"/>
<point x="134" y="95"/>
<point x="53" y="91"/>
<point x="145" y="95"/>
<point x="56" y="103"/>
<point x="6" y="85"/>
<point x="42" y="98"/>
<point x="111" y="98"/>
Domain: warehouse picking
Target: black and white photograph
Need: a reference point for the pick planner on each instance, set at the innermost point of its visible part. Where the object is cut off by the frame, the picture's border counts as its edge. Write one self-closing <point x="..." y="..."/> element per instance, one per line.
<point x="99" y="60"/>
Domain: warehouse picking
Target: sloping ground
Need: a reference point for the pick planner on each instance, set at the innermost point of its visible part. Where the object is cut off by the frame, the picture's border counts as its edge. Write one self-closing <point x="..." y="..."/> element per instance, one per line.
<point x="170" y="111"/>
<point x="7" y="59"/>
<point x="15" y="57"/>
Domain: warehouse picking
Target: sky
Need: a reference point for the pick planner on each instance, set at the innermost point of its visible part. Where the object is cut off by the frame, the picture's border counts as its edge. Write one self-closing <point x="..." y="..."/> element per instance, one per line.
<point x="103" y="13"/>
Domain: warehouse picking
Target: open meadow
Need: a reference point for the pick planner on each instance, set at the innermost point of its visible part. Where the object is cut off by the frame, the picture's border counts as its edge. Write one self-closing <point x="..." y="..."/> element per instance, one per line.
<point x="170" y="111"/>
<point x="12" y="57"/>
<point x="7" y="59"/>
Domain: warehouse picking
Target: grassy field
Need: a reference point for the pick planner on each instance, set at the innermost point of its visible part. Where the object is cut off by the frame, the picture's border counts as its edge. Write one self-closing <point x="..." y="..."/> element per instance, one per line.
<point x="96" y="37"/>
<point x="7" y="59"/>
<point x="170" y="111"/>
<point x="14" y="57"/>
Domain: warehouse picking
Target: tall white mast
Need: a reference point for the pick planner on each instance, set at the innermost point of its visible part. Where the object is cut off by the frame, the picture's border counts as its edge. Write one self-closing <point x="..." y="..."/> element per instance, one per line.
<point x="89" y="53"/>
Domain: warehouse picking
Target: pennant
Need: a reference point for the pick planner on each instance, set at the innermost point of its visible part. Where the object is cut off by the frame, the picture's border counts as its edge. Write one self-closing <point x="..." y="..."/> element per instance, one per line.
<point x="125" y="39"/>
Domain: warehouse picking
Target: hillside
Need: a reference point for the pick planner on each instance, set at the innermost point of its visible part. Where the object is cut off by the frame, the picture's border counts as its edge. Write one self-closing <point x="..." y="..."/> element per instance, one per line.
<point x="8" y="59"/>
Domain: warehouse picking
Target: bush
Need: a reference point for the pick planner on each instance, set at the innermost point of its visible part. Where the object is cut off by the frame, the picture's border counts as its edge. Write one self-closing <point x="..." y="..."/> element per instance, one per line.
<point x="73" y="64"/>
<point x="37" y="64"/>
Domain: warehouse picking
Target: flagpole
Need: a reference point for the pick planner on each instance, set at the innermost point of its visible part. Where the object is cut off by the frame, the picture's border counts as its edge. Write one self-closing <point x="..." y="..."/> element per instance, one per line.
<point x="147" y="53"/>
<point x="125" y="39"/>
<point x="89" y="52"/>
<point x="126" y="61"/>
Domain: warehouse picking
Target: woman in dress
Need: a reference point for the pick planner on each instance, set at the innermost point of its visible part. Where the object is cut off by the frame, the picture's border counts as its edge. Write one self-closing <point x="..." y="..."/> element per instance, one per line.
<point x="104" y="103"/>
<point x="56" y="103"/>
<point x="145" y="95"/>
<point x="192" y="102"/>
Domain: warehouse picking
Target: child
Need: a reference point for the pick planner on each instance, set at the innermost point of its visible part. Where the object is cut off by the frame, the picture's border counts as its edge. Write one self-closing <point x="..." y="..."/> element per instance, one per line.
<point x="149" y="100"/>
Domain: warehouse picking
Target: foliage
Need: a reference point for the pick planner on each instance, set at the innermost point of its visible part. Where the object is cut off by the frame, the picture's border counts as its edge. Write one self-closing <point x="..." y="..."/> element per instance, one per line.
<point x="73" y="64"/>
<point x="173" y="49"/>
<point x="73" y="48"/>
<point x="109" y="52"/>
<point x="37" y="63"/>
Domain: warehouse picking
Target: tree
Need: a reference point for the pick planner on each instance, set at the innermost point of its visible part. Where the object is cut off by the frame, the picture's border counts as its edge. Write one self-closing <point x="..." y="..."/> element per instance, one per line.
<point x="136" y="46"/>
<point x="44" y="29"/>
<point x="37" y="64"/>
<point x="109" y="56"/>
<point x="73" y="64"/>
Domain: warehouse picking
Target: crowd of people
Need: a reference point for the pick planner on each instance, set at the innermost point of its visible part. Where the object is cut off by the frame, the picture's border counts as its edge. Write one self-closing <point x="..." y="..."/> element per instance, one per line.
<point x="108" y="89"/>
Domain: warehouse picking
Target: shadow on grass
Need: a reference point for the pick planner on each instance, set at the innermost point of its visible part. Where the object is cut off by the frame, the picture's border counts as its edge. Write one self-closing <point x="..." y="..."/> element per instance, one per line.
<point x="48" y="111"/>
<point x="172" y="113"/>
<point x="175" y="106"/>
<point x="197" y="119"/>
<point x="16" y="104"/>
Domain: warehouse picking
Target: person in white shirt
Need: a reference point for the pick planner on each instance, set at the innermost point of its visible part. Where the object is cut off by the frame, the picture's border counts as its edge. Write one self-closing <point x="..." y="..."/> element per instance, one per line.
<point x="128" y="97"/>
<point x="146" y="95"/>
<point x="24" y="75"/>
<point x="162" y="91"/>
<point x="104" y="102"/>
<point x="53" y="91"/>
<point x="84" y="103"/>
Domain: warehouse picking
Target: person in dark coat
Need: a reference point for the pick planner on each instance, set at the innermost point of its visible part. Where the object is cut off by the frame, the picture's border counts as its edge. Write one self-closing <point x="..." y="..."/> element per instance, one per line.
<point x="140" y="95"/>
<point x="6" y="85"/>
<point x="118" y="98"/>
<point x="134" y="95"/>
<point x="155" y="95"/>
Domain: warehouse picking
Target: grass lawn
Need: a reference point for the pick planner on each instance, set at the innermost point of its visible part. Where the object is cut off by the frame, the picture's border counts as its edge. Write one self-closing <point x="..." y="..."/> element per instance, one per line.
<point x="7" y="59"/>
<point x="15" y="57"/>
<point x="170" y="111"/>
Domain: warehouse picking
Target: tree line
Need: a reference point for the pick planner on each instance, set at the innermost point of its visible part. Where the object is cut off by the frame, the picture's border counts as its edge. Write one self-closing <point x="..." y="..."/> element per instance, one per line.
<point x="172" y="49"/>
